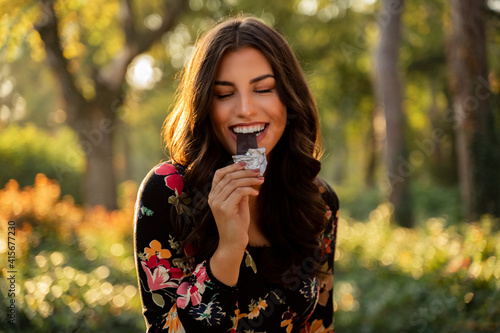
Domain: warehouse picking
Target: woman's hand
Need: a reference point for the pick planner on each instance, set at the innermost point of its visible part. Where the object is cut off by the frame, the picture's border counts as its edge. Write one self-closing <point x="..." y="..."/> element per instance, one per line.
<point x="229" y="202"/>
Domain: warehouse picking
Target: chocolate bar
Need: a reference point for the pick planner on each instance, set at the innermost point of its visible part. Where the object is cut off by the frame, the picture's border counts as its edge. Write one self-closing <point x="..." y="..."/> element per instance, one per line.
<point x="247" y="151"/>
<point x="245" y="141"/>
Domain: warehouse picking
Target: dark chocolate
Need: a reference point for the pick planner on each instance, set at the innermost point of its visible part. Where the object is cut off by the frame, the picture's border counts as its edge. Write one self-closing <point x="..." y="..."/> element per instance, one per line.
<point x="245" y="141"/>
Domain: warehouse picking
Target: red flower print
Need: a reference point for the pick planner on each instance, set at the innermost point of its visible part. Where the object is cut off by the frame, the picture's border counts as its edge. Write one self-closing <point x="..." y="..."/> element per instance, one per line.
<point x="325" y="246"/>
<point x="173" y="179"/>
<point x="154" y="261"/>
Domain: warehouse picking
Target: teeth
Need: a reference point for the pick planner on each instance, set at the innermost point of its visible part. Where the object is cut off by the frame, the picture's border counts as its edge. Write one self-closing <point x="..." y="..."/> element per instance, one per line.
<point x="249" y="129"/>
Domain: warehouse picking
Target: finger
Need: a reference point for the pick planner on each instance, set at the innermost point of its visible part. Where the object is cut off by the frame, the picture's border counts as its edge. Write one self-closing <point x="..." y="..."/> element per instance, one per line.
<point x="220" y="173"/>
<point x="220" y="184"/>
<point x="225" y="188"/>
<point x="230" y="204"/>
<point x="235" y="184"/>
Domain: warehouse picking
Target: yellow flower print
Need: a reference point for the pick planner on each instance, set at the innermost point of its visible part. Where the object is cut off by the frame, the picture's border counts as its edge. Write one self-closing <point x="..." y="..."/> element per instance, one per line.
<point x="289" y="318"/>
<point x="173" y="323"/>
<point x="256" y="308"/>
<point x="234" y="319"/>
<point x="326" y="284"/>
<point x="156" y="250"/>
<point x="316" y="327"/>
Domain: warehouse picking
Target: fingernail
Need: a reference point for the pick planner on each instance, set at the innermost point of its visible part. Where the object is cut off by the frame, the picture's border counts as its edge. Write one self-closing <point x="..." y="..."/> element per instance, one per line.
<point x="256" y="170"/>
<point x="261" y="178"/>
<point x="242" y="163"/>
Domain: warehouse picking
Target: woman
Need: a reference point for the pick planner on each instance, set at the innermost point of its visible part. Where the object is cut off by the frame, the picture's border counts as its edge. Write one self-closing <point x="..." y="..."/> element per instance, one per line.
<point x="221" y="248"/>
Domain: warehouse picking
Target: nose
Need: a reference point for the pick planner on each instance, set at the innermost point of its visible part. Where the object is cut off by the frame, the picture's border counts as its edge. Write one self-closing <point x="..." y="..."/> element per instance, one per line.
<point x="246" y="106"/>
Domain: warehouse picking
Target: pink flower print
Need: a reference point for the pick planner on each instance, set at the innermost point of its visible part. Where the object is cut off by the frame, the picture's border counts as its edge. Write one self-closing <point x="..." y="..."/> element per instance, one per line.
<point x="191" y="291"/>
<point x="173" y="179"/>
<point x="328" y="213"/>
<point x="160" y="277"/>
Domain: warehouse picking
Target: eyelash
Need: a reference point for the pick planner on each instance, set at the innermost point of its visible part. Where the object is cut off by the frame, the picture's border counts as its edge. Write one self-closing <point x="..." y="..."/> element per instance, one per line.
<point x="266" y="91"/>
<point x="223" y="96"/>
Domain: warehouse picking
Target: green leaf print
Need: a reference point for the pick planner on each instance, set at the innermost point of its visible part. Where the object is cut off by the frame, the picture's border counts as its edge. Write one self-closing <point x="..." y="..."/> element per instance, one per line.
<point x="249" y="262"/>
<point x="158" y="299"/>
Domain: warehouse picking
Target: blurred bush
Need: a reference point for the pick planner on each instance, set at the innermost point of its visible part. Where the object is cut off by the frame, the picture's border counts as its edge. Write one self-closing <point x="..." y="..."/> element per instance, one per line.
<point x="428" y="279"/>
<point x="75" y="267"/>
<point x="429" y="200"/>
<point x="28" y="150"/>
<point x="432" y="200"/>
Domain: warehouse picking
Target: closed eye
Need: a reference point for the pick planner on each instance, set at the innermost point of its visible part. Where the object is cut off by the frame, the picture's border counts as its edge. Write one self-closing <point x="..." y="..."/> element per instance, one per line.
<point x="266" y="91"/>
<point x="223" y="96"/>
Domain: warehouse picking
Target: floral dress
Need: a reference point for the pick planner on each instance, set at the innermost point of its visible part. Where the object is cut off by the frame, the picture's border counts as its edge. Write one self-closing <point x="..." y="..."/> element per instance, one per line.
<point x="183" y="296"/>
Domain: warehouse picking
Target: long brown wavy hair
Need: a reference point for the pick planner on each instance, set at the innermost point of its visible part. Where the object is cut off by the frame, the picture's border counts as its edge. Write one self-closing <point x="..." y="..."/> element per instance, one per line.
<point x="291" y="210"/>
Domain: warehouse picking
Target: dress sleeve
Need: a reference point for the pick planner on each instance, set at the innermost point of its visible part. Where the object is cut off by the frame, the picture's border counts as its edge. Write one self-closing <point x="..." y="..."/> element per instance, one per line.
<point x="321" y="320"/>
<point x="176" y="295"/>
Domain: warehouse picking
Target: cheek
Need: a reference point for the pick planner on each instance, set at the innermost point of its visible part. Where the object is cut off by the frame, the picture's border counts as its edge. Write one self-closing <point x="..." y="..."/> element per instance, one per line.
<point x="218" y="119"/>
<point x="281" y="116"/>
<point x="219" y="115"/>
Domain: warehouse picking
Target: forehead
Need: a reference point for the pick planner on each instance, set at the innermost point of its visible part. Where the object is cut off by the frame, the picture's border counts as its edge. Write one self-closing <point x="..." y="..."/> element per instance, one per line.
<point x="243" y="62"/>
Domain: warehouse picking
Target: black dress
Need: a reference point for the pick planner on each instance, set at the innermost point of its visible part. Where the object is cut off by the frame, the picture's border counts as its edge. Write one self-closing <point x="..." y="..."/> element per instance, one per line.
<point x="180" y="296"/>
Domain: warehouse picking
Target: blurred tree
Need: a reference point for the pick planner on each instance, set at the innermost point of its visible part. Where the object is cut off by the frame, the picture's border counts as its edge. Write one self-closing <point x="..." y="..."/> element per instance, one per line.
<point x="431" y="137"/>
<point x="91" y="88"/>
<point x="474" y="121"/>
<point x="389" y="95"/>
<point x="333" y="40"/>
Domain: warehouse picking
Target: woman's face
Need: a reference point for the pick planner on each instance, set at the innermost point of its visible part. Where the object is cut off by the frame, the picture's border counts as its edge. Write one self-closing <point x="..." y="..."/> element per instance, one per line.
<point x="245" y="100"/>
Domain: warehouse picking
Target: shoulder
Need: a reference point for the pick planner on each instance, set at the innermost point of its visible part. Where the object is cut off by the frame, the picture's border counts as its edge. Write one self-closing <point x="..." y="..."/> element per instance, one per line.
<point x="329" y="195"/>
<point x="163" y="179"/>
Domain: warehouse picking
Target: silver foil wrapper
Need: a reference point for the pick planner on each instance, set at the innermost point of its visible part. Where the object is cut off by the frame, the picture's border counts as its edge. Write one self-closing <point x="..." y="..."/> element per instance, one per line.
<point x="255" y="158"/>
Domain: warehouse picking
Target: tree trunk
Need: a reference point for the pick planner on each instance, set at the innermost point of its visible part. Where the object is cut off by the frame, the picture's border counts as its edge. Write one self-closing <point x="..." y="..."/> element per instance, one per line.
<point x="94" y="119"/>
<point x="370" y="157"/>
<point x="477" y="142"/>
<point x="96" y="139"/>
<point x="389" y="96"/>
<point x="374" y="143"/>
<point x="436" y="155"/>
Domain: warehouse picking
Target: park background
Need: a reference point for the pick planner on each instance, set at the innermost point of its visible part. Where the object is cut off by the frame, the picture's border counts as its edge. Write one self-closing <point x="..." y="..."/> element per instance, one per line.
<point x="408" y="95"/>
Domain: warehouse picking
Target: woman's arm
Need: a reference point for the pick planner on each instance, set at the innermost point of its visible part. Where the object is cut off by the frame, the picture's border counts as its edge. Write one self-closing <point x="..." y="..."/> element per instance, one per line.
<point x="229" y="202"/>
<point x="175" y="294"/>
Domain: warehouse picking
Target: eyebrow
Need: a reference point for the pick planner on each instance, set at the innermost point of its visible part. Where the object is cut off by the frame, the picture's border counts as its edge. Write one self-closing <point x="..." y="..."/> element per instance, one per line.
<point x="257" y="79"/>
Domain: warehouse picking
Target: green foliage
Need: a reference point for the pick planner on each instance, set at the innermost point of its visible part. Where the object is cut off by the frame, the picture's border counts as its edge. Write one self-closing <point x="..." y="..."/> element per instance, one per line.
<point x="74" y="268"/>
<point x="437" y="200"/>
<point x="28" y="150"/>
<point x="431" y="279"/>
